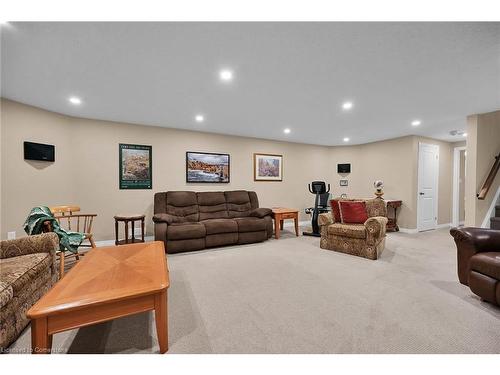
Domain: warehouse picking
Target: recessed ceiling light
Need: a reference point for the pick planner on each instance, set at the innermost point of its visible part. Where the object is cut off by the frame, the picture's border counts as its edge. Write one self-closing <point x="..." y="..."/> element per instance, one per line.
<point x="226" y="75"/>
<point x="416" y="122"/>
<point x="286" y="131"/>
<point x="464" y="135"/>
<point x="347" y="106"/>
<point x="75" y="100"/>
<point x="199" y="118"/>
<point x="346" y="139"/>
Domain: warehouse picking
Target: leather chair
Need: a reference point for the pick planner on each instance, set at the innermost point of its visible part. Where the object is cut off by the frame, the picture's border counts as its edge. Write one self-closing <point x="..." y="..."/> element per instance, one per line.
<point x="478" y="258"/>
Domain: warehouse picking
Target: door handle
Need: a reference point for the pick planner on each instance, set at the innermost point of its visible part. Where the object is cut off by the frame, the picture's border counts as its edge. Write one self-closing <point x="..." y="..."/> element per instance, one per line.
<point x="421" y="193"/>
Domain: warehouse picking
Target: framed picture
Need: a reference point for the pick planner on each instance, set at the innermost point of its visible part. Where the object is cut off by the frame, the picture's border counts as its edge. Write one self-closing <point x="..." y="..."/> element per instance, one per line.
<point x="267" y="167"/>
<point x="344" y="182"/>
<point x="136" y="166"/>
<point x="207" y="167"/>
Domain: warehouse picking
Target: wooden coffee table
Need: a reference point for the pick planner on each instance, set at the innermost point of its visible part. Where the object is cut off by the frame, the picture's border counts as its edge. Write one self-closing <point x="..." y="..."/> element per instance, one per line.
<point x="282" y="213"/>
<point x="108" y="283"/>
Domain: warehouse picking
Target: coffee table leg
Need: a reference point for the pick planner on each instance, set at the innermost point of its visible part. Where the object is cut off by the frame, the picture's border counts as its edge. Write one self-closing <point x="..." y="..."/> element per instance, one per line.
<point x="41" y="341"/>
<point x="277" y="227"/>
<point x="161" y="318"/>
<point x="296" y="219"/>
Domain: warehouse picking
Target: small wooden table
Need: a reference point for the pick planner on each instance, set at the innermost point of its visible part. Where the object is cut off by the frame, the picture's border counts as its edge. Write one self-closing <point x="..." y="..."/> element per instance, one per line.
<point x="126" y="219"/>
<point x="280" y="214"/>
<point x="108" y="283"/>
<point x="392" y="222"/>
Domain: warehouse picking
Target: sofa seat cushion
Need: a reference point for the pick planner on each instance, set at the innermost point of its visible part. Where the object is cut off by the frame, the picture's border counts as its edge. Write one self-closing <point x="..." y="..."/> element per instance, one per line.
<point x="216" y="226"/>
<point x="347" y="230"/>
<point x="486" y="263"/>
<point x="185" y="231"/>
<point x="250" y="224"/>
<point x="22" y="270"/>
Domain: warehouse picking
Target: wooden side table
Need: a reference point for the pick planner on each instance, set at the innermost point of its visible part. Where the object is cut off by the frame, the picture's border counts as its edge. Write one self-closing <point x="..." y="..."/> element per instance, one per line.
<point x="126" y="219"/>
<point x="280" y="214"/>
<point x="392" y="222"/>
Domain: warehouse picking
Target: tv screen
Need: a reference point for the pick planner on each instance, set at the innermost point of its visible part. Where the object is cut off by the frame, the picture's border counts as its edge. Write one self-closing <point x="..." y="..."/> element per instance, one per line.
<point x="343" y="168"/>
<point x="39" y="151"/>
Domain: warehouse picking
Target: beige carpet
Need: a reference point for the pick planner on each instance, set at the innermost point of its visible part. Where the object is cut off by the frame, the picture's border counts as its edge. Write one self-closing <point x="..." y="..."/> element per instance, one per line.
<point x="289" y="296"/>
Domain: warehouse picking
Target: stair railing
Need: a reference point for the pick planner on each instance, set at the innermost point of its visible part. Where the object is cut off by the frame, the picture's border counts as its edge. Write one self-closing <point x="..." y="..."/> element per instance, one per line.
<point x="489" y="180"/>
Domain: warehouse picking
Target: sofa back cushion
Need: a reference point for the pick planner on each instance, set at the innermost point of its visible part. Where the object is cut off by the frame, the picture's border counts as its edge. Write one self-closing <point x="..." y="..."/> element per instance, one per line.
<point x="238" y="203"/>
<point x="212" y="205"/>
<point x="334" y="203"/>
<point x="353" y="212"/>
<point x="182" y="205"/>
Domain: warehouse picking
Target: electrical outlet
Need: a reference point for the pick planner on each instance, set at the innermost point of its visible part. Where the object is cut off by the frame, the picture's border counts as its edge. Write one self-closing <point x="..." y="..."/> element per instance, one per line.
<point x="11" y="235"/>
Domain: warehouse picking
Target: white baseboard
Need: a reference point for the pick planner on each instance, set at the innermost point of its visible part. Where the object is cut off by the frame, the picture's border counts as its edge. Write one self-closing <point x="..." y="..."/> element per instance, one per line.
<point x="408" y="230"/>
<point x="446" y="225"/>
<point x="415" y="230"/>
<point x="112" y="242"/>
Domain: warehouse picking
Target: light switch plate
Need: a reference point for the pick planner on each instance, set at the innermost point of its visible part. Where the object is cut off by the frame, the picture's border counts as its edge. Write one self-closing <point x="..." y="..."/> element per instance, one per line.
<point x="11" y="235"/>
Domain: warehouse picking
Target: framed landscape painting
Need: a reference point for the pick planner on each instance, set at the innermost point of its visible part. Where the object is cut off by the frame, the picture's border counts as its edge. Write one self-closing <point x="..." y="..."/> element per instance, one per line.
<point x="267" y="167"/>
<point x="206" y="167"/>
<point x="135" y="166"/>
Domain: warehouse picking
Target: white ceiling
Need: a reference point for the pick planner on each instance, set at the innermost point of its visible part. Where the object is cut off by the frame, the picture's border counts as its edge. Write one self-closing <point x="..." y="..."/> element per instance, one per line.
<point x="287" y="75"/>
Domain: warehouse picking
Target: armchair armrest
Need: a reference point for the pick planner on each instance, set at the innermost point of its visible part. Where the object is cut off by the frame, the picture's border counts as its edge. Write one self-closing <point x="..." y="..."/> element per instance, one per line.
<point x="471" y="241"/>
<point x="42" y="243"/>
<point x="375" y="228"/>
<point x="325" y="219"/>
<point x="163" y="218"/>
<point x="260" y="212"/>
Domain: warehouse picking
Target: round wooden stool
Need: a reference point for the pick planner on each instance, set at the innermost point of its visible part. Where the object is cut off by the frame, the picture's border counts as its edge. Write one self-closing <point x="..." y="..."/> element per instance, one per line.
<point x="126" y="219"/>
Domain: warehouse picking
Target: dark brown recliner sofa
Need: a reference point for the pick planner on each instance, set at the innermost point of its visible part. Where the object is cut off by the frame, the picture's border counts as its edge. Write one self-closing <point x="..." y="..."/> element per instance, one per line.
<point x="187" y="221"/>
<point x="478" y="256"/>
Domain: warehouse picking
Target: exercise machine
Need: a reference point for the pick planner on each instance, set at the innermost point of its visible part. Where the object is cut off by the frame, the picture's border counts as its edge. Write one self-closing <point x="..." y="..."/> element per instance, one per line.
<point x="318" y="188"/>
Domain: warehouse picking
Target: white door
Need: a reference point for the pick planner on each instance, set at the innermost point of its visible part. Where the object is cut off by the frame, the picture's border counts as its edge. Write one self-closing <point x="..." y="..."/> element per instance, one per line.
<point x="428" y="173"/>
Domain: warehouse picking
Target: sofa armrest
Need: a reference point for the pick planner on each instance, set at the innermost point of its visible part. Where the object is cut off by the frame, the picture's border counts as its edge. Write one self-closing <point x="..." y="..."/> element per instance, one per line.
<point x="163" y="218"/>
<point x="325" y="219"/>
<point x="41" y="243"/>
<point x="375" y="229"/>
<point x="471" y="241"/>
<point x="261" y="212"/>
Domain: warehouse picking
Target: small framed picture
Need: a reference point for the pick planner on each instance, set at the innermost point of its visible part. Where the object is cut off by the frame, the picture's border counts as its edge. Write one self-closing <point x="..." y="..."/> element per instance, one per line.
<point x="267" y="167"/>
<point x="344" y="182"/>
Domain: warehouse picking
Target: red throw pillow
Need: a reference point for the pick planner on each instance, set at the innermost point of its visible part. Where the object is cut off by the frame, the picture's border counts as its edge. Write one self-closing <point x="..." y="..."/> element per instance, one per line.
<point x="353" y="212"/>
<point x="336" y="210"/>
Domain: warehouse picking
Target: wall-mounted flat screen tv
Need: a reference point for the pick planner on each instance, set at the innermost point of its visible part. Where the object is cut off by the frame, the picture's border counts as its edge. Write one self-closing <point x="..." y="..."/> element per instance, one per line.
<point x="343" y="168"/>
<point x="39" y="151"/>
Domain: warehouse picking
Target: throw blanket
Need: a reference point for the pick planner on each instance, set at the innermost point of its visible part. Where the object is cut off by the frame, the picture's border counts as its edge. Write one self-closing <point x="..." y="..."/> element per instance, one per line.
<point x="34" y="225"/>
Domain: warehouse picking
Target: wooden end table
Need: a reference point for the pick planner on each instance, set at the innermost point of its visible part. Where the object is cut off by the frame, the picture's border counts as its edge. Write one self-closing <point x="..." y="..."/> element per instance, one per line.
<point x="280" y="214"/>
<point x="392" y="222"/>
<point x="129" y="219"/>
<point x="108" y="283"/>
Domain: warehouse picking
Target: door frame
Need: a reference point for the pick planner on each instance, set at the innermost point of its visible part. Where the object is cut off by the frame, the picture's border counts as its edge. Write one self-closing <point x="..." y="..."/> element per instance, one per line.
<point x="455" y="214"/>
<point x="436" y="187"/>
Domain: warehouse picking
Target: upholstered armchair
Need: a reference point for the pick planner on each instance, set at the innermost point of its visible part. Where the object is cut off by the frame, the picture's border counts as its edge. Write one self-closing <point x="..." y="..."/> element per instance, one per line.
<point x="366" y="240"/>
<point x="27" y="271"/>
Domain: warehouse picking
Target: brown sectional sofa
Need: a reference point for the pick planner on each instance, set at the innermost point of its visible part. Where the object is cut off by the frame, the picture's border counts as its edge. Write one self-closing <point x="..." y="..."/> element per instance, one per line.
<point x="478" y="261"/>
<point x="187" y="220"/>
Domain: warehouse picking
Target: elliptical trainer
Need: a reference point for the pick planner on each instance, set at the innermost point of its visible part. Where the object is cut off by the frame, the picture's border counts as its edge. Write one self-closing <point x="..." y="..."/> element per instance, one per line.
<point x="317" y="188"/>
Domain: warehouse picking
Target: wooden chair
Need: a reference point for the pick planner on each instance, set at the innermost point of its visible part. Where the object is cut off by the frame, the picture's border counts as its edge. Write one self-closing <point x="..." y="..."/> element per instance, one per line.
<point x="68" y="220"/>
